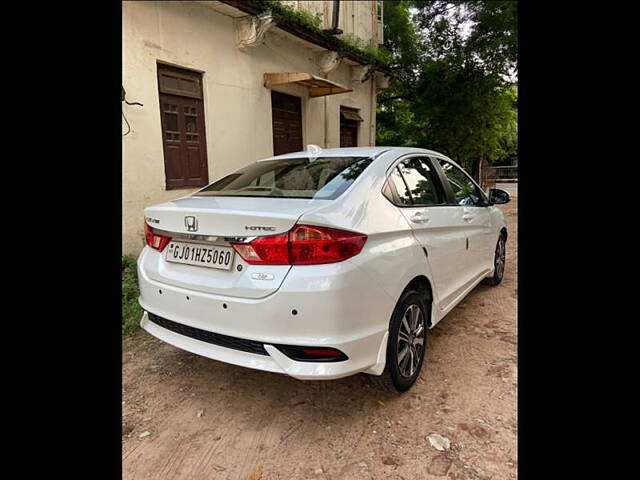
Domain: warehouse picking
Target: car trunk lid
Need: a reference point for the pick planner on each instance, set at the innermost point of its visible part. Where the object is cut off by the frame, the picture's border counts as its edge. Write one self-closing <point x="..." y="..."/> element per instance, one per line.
<point x="229" y="216"/>
<point x="215" y="221"/>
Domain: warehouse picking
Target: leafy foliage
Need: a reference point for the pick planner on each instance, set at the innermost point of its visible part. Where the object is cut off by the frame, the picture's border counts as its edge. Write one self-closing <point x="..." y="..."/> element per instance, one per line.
<point x="131" y="310"/>
<point x="345" y="44"/>
<point x="470" y="115"/>
<point x="495" y="36"/>
<point x="301" y="17"/>
<point x="401" y="40"/>
<point x="453" y="64"/>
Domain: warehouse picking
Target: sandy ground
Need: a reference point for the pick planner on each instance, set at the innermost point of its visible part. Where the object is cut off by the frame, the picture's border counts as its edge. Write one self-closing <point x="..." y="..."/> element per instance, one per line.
<point x="189" y="417"/>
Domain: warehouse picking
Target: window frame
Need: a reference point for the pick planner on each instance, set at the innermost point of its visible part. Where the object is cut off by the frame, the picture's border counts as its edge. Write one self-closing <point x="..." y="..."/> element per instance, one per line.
<point x="391" y="186"/>
<point x="379" y="10"/>
<point x="441" y="192"/>
<point x="379" y="21"/>
<point x="484" y="201"/>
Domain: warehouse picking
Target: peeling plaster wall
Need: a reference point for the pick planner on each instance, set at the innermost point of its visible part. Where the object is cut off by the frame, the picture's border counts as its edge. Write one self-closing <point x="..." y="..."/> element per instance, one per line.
<point x="237" y="106"/>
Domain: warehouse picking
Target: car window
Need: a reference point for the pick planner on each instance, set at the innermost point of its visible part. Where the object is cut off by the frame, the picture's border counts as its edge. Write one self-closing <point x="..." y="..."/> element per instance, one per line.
<point x="465" y="191"/>
<point x="403" y="195"/>
<point x="322" y="178"/>
<point x="420" y="181"/>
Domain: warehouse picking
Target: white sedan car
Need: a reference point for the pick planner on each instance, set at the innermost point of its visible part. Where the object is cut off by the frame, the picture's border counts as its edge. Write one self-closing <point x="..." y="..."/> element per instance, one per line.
<point x="321" y="265"/>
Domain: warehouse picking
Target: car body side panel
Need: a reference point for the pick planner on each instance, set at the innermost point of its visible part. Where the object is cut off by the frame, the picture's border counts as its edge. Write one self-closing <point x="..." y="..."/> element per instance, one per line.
<point x="392" y="256"/>
<point x="443" y="235"/>
<point x="478" y="231"/>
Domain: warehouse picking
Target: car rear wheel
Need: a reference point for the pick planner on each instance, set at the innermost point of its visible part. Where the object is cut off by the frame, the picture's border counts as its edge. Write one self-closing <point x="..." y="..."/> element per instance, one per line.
<point x="407" y="341"/>
<point x="499" y="261"/>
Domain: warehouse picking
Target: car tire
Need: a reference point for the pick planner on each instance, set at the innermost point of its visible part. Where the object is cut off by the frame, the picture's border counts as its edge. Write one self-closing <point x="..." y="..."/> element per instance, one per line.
<point x="401" y="375"/>
<point x="499" y="262"/>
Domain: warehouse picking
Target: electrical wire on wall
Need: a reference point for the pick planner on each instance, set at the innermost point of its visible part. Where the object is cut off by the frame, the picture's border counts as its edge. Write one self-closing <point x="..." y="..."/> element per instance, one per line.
<point x="128" y="126"/>
<point x="123" y="115"/>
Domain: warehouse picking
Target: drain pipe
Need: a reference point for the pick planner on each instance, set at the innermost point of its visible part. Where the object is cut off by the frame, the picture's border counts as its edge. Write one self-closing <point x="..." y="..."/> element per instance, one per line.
<point x="326" y="123"/>
<point x="372" y="117"/>
<point x="335" y="18"/>
<point x="334" y="30"/>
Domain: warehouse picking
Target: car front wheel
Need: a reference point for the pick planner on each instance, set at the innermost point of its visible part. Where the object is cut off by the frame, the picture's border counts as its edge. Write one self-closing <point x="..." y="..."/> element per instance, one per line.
<point x="499" y="261"/>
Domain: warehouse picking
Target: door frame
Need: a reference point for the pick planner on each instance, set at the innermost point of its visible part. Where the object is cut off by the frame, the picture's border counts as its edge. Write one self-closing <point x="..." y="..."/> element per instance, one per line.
<point x="445" y="181"/>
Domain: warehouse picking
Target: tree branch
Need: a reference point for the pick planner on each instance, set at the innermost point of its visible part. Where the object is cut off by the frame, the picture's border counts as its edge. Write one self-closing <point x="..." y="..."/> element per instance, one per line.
<point x="395" y="97"/>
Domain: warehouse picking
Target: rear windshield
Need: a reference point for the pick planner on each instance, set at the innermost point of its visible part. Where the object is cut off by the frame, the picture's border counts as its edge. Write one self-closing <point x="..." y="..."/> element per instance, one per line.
<point x="322" y="178"/>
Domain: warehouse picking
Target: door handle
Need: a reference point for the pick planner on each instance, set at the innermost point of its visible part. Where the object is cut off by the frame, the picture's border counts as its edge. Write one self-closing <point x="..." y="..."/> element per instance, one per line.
<point x="419" y="218"/>
<point x="467" y="218"/>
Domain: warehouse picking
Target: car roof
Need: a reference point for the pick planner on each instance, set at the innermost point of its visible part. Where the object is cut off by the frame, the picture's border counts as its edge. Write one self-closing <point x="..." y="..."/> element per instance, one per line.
<point x="391" y="153"/>
<point x="355" y="152"/>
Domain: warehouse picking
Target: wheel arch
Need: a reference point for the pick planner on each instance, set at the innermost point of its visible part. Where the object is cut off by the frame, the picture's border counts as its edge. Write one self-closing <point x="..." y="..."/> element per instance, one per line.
<point x="422" y="285"/>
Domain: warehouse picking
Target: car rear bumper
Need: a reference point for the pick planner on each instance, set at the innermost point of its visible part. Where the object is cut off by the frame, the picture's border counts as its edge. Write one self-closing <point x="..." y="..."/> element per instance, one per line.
<point x="334" y="307"/>
<point x="275" y="361"/>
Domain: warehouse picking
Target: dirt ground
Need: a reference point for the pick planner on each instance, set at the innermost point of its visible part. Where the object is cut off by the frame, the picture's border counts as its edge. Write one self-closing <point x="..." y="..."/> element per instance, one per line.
<point x="189" y="417"/>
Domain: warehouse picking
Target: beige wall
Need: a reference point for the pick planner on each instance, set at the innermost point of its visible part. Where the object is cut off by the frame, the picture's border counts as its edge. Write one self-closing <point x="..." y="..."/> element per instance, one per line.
<point x="357" y="17"/>
<point x="236" y="104"/>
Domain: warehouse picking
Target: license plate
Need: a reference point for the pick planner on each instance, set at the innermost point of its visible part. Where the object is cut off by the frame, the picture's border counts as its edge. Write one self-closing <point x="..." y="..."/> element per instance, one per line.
<point x="200" y="255"/>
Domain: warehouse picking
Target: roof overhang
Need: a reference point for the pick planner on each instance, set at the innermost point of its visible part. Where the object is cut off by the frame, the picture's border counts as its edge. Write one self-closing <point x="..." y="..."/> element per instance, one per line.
<point x="239" y="8"/>
<point x="318" y="86"/>
<point x="350" y="114"/>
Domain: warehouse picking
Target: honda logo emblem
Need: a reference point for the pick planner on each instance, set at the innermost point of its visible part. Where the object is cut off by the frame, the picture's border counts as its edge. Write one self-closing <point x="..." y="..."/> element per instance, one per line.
<point x="191" y="223"/>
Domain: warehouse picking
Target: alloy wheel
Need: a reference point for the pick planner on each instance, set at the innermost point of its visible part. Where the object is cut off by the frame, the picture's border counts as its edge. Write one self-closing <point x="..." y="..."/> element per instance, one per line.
<point x="410" y="340"/>
<point x="500" y="258"/>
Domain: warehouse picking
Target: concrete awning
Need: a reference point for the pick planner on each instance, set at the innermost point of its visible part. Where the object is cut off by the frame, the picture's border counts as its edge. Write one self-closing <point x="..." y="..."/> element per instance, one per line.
<point x="351" y="115"/>
<point x="318" y="86"/>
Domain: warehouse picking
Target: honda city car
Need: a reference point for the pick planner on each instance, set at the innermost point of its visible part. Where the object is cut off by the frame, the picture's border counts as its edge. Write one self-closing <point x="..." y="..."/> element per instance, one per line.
<point x="321" y="264"/>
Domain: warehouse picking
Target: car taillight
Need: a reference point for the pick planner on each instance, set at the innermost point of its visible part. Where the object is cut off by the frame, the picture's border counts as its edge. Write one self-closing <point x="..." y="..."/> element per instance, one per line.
<point x="302" y="245"/>
<point x="311" y="245"/>
<point x="154" y="240"/>
<point x="269" y="250"/>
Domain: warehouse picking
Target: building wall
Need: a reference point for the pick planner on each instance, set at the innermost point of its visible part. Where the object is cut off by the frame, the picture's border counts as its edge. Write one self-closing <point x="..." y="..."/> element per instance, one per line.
<point x="357" y="18"/>
<point x="237" y="106"/>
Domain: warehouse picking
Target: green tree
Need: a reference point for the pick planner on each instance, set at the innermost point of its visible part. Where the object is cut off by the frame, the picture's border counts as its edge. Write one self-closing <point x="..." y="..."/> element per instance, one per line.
<point x="453" y="87"/>
<point x="468" y="115"/>
<point x="396" y="121"/>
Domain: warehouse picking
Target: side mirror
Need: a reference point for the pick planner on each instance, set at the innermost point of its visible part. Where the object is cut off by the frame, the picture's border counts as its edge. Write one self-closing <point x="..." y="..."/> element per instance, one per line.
<point x="497" y="196"/>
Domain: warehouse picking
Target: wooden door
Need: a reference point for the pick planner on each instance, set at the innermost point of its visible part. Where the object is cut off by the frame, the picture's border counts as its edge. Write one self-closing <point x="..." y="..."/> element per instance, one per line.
<point x="349" y="122"/>
<point x="287" y="123"/>
<point x="348" y="133"/>
<point x="183" y="129"/>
